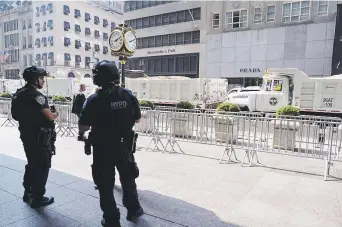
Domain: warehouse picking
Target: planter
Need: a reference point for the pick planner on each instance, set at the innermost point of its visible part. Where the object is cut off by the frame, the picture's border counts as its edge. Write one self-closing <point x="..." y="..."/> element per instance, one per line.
<point x="284" y="135"/>
<point x="226" y="129"/>
<point x="182" y="126"/>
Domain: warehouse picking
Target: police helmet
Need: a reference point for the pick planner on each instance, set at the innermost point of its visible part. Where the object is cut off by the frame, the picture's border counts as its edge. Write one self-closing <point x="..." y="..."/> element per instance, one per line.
<point x="105" y="72"/>
<point x="32" y="73"/>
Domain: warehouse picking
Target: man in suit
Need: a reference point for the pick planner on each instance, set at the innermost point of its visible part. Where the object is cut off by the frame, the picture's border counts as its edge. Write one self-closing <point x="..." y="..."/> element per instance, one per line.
<point x="79" y="100"/>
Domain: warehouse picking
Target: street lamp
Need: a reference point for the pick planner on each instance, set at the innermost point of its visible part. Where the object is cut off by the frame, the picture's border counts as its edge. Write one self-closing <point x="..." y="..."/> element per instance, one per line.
<point x="123" y="43"/>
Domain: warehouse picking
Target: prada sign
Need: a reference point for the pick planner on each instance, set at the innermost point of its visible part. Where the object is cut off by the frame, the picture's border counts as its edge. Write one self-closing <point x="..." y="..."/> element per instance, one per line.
<point x="250" y="70"/>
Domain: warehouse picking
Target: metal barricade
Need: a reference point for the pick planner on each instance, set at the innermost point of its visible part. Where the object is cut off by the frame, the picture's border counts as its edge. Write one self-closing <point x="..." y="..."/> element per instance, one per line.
<point x="66" y="122"/>
<point x="5" y="113"/>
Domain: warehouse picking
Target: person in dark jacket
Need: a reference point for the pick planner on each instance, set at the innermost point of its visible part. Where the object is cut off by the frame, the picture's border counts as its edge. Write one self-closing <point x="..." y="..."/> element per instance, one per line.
<point x="79" y="100"/>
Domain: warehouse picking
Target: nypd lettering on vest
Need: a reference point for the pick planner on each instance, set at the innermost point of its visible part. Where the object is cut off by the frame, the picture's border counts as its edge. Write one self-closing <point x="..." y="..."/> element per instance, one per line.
<point x="119" y="105"/>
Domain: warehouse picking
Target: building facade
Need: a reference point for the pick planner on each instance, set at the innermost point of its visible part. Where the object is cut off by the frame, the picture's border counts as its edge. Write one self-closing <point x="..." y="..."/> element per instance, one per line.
<point x="69" y="37"/>
<point x="247" y="37"/>
<point x="17" y="32"/>
<point x="170" y="37"/>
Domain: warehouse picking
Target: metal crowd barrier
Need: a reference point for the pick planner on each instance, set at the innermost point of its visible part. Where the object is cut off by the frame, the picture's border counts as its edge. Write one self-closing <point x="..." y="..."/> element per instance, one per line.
<point x="250" y="133"/>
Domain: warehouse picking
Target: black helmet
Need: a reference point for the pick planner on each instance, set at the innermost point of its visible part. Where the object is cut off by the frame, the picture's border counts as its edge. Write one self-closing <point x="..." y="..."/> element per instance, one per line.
<point x="105" y="72"/>
<point x="31" y="74"/>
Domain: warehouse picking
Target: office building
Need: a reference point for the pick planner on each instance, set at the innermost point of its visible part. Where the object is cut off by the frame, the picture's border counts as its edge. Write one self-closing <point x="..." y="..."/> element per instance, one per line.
<point x="70" y="36"/>
<point x="17" y="32"/>
<point x="170" y="37"/>
<point x="246" y="37"/>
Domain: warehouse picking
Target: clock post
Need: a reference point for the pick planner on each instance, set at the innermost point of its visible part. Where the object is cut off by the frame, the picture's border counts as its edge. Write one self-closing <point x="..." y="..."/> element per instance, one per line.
<point x="123" y="43"/>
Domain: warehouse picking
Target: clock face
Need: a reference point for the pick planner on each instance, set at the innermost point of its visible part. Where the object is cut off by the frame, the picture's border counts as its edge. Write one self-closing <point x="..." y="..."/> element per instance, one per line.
<point x="130" y="41"/>
<point x="116" y="40"/>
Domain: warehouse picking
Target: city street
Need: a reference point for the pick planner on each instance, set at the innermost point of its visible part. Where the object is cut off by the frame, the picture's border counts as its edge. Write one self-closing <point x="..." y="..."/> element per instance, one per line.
<point x="177" y="189"/>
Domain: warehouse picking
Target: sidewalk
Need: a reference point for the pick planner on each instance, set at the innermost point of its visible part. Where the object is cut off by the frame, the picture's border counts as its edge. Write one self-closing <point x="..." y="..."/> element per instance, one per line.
<point x="177" y="189"/>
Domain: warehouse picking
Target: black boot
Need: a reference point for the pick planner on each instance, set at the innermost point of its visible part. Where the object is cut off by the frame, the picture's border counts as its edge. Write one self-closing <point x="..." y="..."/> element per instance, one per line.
<point x="133" y="216"/>
<point x="114" y="223"/>
<point x="43" y="201"/>
<point x="27" y="195"/>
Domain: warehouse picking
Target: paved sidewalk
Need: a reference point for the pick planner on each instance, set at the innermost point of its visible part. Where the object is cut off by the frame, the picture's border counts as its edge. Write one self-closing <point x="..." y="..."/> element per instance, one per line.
<point x="177" y="189"/>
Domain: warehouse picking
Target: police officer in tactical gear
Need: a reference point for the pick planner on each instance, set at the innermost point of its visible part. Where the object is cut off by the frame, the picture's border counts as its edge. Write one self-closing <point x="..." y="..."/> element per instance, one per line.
<point x="37" y="133"/>
<point x="111" y="113"/>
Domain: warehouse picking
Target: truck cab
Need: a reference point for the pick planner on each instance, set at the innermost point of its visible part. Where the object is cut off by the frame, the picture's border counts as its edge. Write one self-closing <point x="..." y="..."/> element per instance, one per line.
<point x="276" y="91"/>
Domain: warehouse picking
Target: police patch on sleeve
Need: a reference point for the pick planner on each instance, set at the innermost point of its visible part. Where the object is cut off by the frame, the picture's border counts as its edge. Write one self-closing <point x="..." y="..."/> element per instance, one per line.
<point x="40" y="99"/>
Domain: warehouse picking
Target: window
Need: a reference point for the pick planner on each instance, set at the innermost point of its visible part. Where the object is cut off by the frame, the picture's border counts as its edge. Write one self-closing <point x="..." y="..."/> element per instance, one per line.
<point x="66" y="26"/>
<point x="50" y="40"/>
<point x="50" y="24"/>
<point x="96" y="20"/>
<point x="196" y="37"/>
<point x="37" y="11"/>
<point x="37" y="27"/>
<point x="323" y="8"/>
<point x="66" y="9"/>
<point x="77" y="13"/>
<point x="112" y="25"/>
<point x="180" y="38"/>
<point x="105" y="23"/>
<point x="78" y="44"/>
<point x="87" y="31"/>
<point x="97" y="34"/>
<point x="44" y="59"/>
<point x="165" y="19"/>
<point x="158" y="41"/>
<point x="87" y="46"/>
<point x="105" y="36"/>
<point x="67" y="57"/>
<point x="24" y="42"/>
<point x="270" y="13"/>
<point x="25" y="60"/>
<point x="66" y="41"/>
<point x="165" y="40"/>
<point x="78" y="61"/>
<point x="216" y="20"/>
<point x="37" y="43"/>
<point x="51" y="58"/>
<point x="38" y="59"/>
<point x="44" y="26"/>
<point x="237" y="19"/>
<point x="77" y="28"/>
<point x="43" y="9"/>
<point x="257" y="15"/>
<point x="44" y="43"/>
<point x="296" y="11"/>
<point x="187" y="38"/>
<point x="87" y="63"/>
<point x="87" y="17"/>
<point x="105" y="50"/>
<point x="49" y="8"/>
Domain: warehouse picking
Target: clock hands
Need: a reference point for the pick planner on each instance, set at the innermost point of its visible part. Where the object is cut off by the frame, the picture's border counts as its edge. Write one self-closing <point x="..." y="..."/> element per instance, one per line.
<point x="132" y="40"/>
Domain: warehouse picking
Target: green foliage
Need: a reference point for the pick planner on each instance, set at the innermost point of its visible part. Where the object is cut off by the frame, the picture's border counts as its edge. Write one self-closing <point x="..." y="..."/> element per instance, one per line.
<point x="59" y="98"/>
<point x="146" y="103"/>
<point x="185" y="105"/>
<point x="288" y="110"/>
<point x="5" y="95"/>
<point x="228" y="107"/>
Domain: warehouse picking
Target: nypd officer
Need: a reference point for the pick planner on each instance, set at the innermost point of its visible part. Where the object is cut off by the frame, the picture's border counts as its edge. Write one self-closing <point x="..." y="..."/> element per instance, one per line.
<point x="111" y="113"/>
<point x="36" y="125"/>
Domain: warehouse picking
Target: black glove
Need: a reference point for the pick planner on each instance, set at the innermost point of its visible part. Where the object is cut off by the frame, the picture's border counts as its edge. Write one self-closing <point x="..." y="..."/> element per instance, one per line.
<point x="81" y="137"/>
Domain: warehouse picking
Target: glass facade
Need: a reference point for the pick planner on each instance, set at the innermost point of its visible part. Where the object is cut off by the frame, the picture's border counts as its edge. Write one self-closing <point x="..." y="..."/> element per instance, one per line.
<point x="170" y="65"/>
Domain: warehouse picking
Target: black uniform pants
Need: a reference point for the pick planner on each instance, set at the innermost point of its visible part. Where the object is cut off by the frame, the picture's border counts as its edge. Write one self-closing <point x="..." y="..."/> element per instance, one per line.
<point x="105" y="159"/>
<point x="37" y="168"/>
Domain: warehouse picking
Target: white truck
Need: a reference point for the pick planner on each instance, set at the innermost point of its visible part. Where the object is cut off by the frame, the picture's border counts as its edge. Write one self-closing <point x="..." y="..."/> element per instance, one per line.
<point x="290" y="86"/>
<point x="171" y="90"/>
<point x="159" y="90"/>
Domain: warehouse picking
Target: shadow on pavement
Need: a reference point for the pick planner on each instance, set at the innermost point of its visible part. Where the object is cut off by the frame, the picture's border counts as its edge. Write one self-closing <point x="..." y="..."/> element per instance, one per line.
<point x="75" y="196"/>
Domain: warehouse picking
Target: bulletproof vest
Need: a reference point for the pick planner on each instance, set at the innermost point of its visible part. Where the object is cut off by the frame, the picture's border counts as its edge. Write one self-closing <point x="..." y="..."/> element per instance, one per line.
<point x="114" y="115"/>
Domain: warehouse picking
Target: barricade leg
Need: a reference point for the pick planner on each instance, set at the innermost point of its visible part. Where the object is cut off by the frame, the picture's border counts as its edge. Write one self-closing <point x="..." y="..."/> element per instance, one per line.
<point x="155" y="140"/>
<point x="229" y="151"/>
<point x="250" y="154"/>
<point x="172" y="143"/>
